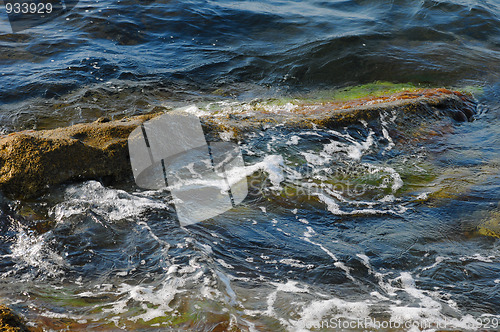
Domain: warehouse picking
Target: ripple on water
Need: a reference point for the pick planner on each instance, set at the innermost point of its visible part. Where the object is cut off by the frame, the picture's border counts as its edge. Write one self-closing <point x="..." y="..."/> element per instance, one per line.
<point x="378" y="220"/>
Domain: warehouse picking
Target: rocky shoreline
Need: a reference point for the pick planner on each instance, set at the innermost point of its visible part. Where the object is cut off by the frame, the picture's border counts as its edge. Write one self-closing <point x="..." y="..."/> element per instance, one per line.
<point x="423" y="102"/>
<point x="33" y="161"/>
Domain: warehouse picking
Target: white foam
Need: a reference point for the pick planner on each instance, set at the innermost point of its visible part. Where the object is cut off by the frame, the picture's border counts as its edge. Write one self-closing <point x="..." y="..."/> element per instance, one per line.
<point x="315" y="159"/>
<point x="226" y="135"/>
<point x="428" y="310"/>
<point x="334" y="207"/>
<point x="145" y="226"/>
<point x="386" y="286"/>
<point x="423" y="196"/>
<point x="357" y="149"/>
<point x="271" y="144"/>
<point x="32" y="251"/>
<point x="335" y="308"/>
<point x="294" y="140"/>
<point x="387" y="199"/>
<point x="290" y="286"/>
<point x="295" y="263"/>
<point x="65" y="315"/>
<point x="223" y="263"/>
<point x="379" y="296"/>
<point x="337" y="263"/>
<point x="272" y="164"/>
<point x="397" y="182"/>
<point x="391" y="144"/>
<point x="439" y="259"/>
<point x="113" y="204"/>
<point x="192" y="110"/>
<point x="479" y="257"/>
<point x="155" y="299"/>
<point x="331" y="205"/>
<point x="408" y="284"/>
<point x="310" y="232"/>
<point x="385" y="133"/>
<point x="288" y="107"/>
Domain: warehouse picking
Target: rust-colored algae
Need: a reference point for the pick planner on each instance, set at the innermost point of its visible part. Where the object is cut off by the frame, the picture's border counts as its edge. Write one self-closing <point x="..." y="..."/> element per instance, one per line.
<point x="9" y="322"/>
<point x="312" y="108"/>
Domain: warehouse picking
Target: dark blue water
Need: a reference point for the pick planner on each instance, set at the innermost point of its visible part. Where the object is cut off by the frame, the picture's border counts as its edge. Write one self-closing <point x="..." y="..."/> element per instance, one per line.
<point x="130" y="56"/>
<point x="340" y="225"/>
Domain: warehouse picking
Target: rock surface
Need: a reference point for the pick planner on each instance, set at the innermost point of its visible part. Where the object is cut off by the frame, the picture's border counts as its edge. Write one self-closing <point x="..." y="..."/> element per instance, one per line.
<point x="9" y="322"/>
<point x="32" y="161"/>
<point x="425" y="102"/>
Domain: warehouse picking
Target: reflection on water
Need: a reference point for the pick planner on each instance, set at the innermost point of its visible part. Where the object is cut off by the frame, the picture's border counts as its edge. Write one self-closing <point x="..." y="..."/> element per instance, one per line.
<point x="125" y="57"/>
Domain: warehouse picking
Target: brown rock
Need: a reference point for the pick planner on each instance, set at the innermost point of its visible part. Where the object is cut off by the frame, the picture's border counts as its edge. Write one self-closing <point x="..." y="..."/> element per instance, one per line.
<point x="425" y="102"/>
<point x="32" y="161"/>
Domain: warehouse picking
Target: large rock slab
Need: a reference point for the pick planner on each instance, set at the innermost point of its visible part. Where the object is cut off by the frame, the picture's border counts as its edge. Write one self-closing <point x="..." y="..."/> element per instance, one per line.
<point x="424" y="102"/>
<point x="33" y="161"/>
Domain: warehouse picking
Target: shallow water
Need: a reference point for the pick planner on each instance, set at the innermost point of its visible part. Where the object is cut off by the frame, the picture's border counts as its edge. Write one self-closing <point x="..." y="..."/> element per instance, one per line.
<point x="375" y="221"/>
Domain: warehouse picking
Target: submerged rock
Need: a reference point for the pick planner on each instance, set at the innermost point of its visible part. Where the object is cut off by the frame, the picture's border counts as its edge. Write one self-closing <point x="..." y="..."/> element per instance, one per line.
<point x="490" y="227"/>
<point x="9" y="322"/>
<point x="423" y="102"/>
<point x="32" y="161"/>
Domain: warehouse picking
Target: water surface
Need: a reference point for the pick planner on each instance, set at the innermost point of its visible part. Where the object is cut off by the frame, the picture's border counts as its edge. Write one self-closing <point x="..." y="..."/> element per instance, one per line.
<point x="378" y="220"/>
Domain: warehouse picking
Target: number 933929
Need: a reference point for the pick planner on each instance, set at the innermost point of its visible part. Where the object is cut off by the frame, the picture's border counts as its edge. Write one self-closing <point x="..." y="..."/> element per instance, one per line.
<point x="28" y="8"/>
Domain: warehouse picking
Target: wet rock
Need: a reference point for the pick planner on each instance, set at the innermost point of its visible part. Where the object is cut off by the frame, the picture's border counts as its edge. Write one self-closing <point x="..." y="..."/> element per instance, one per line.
<point x="32" y="161"/>
<point x="490" y="227"/>
<point x="9" y="322"/>
<point x="425" y="103"/>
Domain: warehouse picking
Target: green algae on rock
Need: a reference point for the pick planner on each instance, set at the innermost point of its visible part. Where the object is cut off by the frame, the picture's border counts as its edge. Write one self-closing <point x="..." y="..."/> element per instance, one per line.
<point x="304" y="114"/>
<point x="33" y="161"/>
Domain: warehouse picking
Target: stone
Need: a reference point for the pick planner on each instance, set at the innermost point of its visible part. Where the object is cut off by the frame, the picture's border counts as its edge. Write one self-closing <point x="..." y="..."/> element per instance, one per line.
<point x="424" y="102"/>
<point x="33" y="161"/>
<point x="10" y="322"/>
